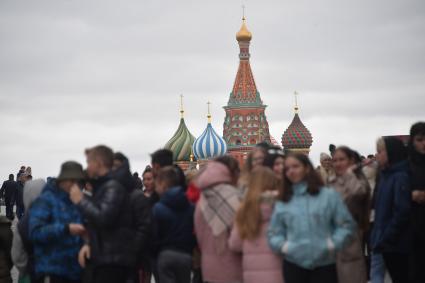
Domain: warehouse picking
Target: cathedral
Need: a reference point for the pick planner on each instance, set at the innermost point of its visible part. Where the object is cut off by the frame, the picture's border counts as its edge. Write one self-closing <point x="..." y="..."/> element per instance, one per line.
<point x="245" y="122"/>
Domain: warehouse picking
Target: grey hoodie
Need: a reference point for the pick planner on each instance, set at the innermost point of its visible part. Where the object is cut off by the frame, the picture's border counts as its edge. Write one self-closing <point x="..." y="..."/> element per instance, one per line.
<point x="32" y="190"/>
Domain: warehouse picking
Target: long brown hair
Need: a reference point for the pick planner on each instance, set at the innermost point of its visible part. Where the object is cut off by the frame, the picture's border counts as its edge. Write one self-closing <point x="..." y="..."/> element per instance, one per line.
<point x="232" y="164"/>
<point x="248" y="216"/>
<point x="312" y="178"/>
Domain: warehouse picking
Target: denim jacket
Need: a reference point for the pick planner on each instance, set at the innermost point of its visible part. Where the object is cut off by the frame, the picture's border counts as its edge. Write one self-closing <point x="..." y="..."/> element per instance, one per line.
<point x="309" y="229"/>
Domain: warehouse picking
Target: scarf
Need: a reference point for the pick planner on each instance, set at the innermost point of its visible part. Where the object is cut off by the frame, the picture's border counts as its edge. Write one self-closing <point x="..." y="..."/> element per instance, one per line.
<point x="218" y="206"/>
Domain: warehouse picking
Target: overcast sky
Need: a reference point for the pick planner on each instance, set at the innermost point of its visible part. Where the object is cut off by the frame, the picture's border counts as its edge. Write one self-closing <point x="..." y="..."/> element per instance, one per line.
<point x="74" y="74"/>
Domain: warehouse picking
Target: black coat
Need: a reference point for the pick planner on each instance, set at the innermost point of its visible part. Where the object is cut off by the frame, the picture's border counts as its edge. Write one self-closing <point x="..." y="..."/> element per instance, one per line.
<point x="5" y="247"/>
<point x="173" y="222"/>
<point x="109" y="216"/>
<point x="19" y="196"/>
<point x="417" y="177"/>
<point x="9" y="190"/>
<point x="142" y="223"/>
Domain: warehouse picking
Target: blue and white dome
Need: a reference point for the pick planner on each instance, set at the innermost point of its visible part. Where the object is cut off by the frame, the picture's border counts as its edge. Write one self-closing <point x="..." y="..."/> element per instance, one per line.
<point x="209" y="144"/>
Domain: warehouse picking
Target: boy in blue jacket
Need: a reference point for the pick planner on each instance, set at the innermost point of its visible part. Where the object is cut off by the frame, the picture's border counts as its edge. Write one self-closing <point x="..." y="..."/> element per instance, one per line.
<point x="55" y="229"/>
<point x="173" y="227"/>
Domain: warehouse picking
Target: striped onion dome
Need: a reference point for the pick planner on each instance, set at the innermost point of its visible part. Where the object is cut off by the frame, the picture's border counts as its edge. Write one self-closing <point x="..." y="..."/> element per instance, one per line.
<point x="181" y="143"/>
<point x="297" y="136"/>
<point x="209" y="144"/>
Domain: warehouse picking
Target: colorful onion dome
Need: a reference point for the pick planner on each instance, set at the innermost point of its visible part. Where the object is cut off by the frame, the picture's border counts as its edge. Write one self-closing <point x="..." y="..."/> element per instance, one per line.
<point x="209" y="144"/>
<point x="297" y="136"/>
<point x="181" y="143"/>
<point x="243" y="34"/>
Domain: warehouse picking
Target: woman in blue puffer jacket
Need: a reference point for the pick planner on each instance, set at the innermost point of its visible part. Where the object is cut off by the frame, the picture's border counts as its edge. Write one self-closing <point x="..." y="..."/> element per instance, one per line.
<point x="308" y="225"/>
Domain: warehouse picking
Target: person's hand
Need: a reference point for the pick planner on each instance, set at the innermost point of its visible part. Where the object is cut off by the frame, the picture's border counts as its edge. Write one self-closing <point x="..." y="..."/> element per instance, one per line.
<point x="83" y="255"/>
<point x="418" y="196"/>
<point x="76" y="229"/>
<point x="75" y="194"/>
<point x="352" y="168"/>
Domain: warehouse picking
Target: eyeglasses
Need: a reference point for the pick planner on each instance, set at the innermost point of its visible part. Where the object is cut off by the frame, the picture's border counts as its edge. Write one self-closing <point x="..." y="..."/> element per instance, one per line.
<point x="276" y="152"/>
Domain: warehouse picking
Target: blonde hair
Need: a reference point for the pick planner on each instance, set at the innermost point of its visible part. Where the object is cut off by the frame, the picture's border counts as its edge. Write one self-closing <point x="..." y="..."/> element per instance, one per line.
<point x="380" y="143"/>
<point x="248" y="216"/>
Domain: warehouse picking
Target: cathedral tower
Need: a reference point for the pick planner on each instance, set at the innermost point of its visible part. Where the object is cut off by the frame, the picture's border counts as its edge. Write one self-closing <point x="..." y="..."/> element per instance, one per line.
<point x="245" y="123"/>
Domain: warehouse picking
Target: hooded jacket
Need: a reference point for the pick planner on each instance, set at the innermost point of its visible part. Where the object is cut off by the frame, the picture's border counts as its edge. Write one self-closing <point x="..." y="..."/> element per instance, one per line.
<point x="55" y="249"/>
<point x="392" y="205"/>
<point x="22" y="248"/>
<point x="173" y="222"/>
<point x="217" y="266"/>
<point x="309" y="229"/>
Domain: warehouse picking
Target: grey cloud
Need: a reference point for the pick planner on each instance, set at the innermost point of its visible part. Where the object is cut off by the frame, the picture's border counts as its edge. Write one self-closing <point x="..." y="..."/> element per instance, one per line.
<point x="77" y="73"/>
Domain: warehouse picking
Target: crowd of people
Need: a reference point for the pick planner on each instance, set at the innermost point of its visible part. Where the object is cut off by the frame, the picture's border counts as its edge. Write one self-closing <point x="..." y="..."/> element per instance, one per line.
<point x="277" y="219"/>
<point x="12" y="192"/>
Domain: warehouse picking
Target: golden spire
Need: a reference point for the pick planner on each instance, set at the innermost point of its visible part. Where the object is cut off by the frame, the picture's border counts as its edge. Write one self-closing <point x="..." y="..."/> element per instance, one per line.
<point x="243" y="34"/>
<point x="191" y="155"/>
<point x="296" y="108"/>
<point x="209" y="113"/>
<point x="181" y="106"/>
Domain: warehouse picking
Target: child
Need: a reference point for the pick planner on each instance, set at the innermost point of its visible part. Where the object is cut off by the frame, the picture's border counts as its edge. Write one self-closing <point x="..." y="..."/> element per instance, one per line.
<point x="173" y="228"/>
<point x="249" y="233"/>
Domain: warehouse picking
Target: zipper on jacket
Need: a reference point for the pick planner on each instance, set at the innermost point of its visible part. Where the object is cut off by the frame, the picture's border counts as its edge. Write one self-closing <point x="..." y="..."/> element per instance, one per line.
<point x="309" y="223"/>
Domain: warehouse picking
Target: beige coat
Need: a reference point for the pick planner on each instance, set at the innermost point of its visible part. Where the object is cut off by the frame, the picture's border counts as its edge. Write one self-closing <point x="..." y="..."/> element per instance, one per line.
<point x="351" y="265"/>
<point x="325" y="174"/>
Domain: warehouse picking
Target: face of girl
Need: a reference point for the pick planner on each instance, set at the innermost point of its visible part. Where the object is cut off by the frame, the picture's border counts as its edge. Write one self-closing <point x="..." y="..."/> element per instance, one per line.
<point x="341" y="162"/>
<point x="257" y="158"/>
<point x="148" y="181"/>
<point x="419" y="143"/>
<point x="295" y="171"/>
<point x="278" y="167"/>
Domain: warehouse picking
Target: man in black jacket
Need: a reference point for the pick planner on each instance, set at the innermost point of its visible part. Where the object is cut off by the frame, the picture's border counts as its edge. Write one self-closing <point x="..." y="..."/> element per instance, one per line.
<point x="8" y="191"/>
<point x="109" y="216"/>
<point x="141" y="211"/>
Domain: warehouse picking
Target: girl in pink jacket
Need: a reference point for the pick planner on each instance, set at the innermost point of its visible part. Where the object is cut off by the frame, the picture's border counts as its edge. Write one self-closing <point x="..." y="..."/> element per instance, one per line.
<point x="214" y="217"/>
<point x="249" y="233"/>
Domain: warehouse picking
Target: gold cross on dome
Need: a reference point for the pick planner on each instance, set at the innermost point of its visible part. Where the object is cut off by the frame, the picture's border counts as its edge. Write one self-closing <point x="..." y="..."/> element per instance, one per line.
<point x="209" y="112"/>
<point x="181" y="106"/>
<point x="296" y="101"/>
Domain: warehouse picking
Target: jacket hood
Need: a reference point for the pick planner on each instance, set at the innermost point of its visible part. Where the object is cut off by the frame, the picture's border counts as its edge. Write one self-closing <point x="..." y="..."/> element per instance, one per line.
<point x="396" y="150"/>
<point x="32" y="190"/>
<point x="214" y="173"/>
<point x="175" y="198"/>
<point x="123" y="176"/>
